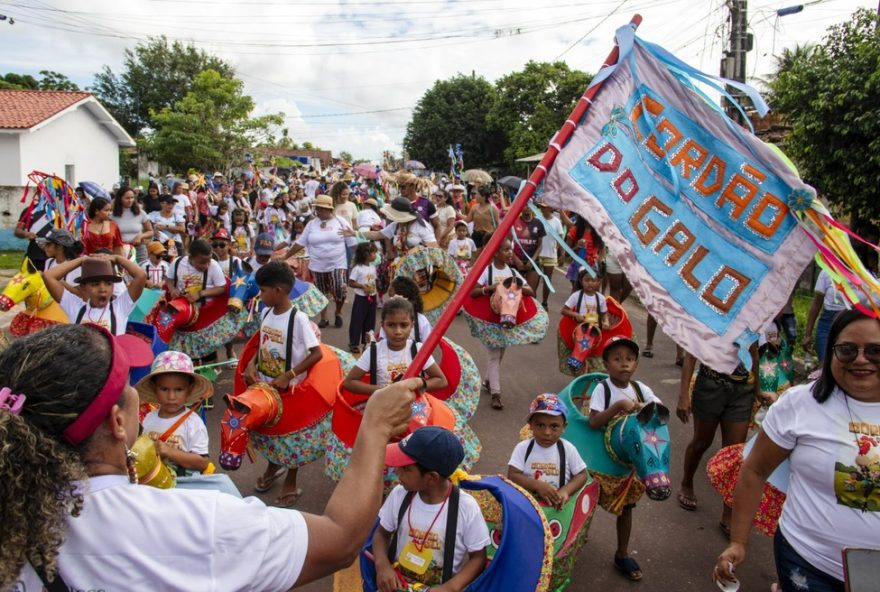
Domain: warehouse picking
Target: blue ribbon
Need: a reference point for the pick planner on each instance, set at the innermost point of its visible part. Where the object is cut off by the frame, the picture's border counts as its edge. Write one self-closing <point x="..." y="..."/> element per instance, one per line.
<point x="745" y="341"/>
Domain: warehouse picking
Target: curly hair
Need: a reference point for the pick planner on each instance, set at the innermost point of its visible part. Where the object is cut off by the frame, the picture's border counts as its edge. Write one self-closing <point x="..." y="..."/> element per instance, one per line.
<point x="409" y="289"/>
<point x="38" y="472"/>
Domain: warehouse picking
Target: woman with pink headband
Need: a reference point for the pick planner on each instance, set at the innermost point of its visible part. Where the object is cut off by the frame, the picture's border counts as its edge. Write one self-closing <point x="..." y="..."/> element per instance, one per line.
<point x="74" y="518"/>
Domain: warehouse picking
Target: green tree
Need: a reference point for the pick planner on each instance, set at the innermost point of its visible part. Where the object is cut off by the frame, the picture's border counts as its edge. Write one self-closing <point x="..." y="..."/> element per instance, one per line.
<point x="210" y="127"/>
<point x="454" y="111"/>
<point x="532" y="105"/>
<point x="830" y="96"/>
<point x="155" y="75"/>
<point x="346" y="156"/>
<point x="49" y="80"/>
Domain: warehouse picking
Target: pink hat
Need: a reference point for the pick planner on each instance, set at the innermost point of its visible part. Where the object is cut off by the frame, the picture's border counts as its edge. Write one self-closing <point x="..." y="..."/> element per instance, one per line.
<point x="175" y="362"/>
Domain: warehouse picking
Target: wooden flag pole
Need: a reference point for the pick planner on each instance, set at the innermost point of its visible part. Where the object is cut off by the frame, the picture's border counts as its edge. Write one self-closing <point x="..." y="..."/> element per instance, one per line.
<point x="556" y="143"/>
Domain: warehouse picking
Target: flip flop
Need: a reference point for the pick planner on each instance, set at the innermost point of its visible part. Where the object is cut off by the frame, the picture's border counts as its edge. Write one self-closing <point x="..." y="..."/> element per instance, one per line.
<point x="628" y="567"/>
<point x="263" y="485"/>
<point x="287" y="500"/>
<point x="687" y="502"/>
<point x="496" y="401"/>
<point x="648" y="352"/>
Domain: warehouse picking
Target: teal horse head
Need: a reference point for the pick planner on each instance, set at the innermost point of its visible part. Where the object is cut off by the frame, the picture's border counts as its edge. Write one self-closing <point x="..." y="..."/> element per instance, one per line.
<point x="641" y="441"/>
<point x="629" y="443"/>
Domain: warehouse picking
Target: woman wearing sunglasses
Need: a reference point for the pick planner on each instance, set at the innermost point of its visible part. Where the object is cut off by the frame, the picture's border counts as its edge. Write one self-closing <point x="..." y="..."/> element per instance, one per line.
<point x="829" y="431"/>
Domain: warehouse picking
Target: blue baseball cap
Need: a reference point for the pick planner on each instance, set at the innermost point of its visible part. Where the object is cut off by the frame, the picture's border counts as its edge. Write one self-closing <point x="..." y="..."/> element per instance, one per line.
<point x="548" y="404"/>
<point x="265" y="244"/>
<point x="433" y="447"/>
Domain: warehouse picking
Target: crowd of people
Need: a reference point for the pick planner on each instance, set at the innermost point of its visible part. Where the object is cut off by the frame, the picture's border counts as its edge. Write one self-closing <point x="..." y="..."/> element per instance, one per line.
<point x="63" y="423"/>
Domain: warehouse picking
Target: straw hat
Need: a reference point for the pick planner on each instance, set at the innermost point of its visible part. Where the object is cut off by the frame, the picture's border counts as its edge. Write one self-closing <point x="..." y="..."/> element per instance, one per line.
<point x="97" y="270"/>
<point x="324" y="201"/>
<point x="371" y="202"/>
<point x="456" y="188"/>
<point x="399" y="210"/>
<point x="174" y="362"/>
<point x="347" y="177"/>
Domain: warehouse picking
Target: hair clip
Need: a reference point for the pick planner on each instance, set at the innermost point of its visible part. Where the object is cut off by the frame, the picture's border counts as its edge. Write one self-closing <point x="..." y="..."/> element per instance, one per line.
<point x="11" y="403"/>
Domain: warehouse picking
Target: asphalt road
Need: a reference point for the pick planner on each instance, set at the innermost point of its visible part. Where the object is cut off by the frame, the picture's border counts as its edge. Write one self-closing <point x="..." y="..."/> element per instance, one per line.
<point x="676" y="549"/>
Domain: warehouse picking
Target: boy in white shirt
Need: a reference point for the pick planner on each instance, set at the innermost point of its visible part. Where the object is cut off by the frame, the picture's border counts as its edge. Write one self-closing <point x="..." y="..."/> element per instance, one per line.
<point x="620" y="394"/>
<point x="99" y="304"/>
<point x="196" y="277"/>
<point x="546" y="464"/>
<point x="288" y="349"/>
<point x="414" y="530"/>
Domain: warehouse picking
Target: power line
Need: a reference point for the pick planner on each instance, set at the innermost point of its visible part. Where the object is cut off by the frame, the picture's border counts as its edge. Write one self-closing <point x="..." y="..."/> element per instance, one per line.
<point x="597" y="25"/>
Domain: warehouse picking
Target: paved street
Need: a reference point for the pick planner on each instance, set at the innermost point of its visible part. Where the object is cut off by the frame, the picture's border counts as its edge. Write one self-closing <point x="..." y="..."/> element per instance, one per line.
<point x="676" y="549"/>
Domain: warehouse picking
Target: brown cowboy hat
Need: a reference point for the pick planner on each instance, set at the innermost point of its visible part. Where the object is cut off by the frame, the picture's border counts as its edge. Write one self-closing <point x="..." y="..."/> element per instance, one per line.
<point x="97" y="270"/>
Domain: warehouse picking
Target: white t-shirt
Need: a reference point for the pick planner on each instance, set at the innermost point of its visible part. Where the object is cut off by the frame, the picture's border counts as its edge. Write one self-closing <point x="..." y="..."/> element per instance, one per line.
<point x="191" y="436"/>
<point x="71" y="275"/>
<point x="597" y="400"/>
<point x="175" y="220"/>
<point x="417" y="233"/>
<point x="367" y="218"/>
<point x="254" y="264"/>
<point x="181" y="203"/>
<point x="156" y="272"/>
<point x="117" y="310"/>
<point x="497" y="274"/>
<point x="834" y="300"/>
<point x="364" y="275"/>
<point x="310" y="188"/>
<point x="274" y="348"/>
<point x="588" y="305"/>
<point x="822" y="512"/>
<point x="390" y="364"/>
<point x="273" y="217"/>
<point x="188" y="279"/>
<point x="326" y="247"/>
<point x="229" y="266"/>
<point x="471" y="532"/>
<point x="347" y="211"/>
<point x="462" y="248"/>
<point x="239" y="544"/>
<point x="548" y="245"/>
<point x="446" y="215"/>
<point x="423" y="324"/>
<point x="543" y="463"/>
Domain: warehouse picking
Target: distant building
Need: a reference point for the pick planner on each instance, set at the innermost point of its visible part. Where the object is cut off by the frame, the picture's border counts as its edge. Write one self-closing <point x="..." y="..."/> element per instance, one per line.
<point x="68" y="134"/>
<point x="319" y="159"/>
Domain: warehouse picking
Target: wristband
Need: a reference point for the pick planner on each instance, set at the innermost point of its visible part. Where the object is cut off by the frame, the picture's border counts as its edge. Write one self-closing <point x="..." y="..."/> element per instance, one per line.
<point x="292" y="374"/>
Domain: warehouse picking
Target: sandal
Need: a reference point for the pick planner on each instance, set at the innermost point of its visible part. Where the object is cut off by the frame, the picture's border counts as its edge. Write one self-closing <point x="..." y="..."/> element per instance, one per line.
<point x="323" y="324"/>
<point x="287" y="500"/>
<point x="338" y="322"/>
<point x="496" y="401"/>
<point x="687" y="502"/>
<point x="628" y="567"/>
<point x="648" y="352"/>
<point x="355" y="349"/>
<point x="264" y="483"/>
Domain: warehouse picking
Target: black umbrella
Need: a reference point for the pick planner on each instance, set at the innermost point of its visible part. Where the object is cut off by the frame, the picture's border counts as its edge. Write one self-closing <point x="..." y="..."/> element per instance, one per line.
<point x="510" y="182"/>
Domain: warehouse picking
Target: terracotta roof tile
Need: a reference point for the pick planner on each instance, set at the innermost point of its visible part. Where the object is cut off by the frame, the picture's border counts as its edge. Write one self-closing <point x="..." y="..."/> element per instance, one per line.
<point x="23" y="109"/>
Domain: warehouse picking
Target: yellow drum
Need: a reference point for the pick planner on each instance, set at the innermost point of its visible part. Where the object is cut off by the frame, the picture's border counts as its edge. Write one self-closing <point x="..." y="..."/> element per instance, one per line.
<point x="150" y="468"/>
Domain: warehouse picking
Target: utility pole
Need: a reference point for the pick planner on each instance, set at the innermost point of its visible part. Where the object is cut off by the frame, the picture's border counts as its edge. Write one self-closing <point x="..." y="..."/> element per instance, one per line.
<point x="739" y="42"/>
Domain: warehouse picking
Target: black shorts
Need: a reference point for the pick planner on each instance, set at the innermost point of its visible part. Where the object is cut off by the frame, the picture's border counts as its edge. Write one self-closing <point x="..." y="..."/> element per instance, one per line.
<point x="480" y="238"/>
<point x="717" y="399"/>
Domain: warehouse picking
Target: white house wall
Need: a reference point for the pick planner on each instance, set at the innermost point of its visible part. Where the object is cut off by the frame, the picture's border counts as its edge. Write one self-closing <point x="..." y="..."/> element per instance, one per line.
<point x="10" y="161"/>
<point x="73" y="139"/>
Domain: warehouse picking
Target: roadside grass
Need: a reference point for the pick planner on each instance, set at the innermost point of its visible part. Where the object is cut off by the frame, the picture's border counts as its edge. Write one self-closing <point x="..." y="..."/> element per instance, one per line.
<point x="11" y="259"/>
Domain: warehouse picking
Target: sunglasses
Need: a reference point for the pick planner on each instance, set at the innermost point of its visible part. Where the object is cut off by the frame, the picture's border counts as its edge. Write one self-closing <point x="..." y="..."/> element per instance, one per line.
<point x="219" y="244"/>
<point x="848" y="352"/>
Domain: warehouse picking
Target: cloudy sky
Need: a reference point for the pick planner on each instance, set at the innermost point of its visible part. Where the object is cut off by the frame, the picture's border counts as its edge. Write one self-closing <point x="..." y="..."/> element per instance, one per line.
<point x="347" y="73"/>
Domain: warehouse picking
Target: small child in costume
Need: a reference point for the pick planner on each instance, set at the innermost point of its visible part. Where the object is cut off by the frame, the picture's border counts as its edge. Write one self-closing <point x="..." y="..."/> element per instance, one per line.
<point x="97" y="301"/>
<point x="413" y="537"/>
<point x="362" y="280"/>
<point x="405" y="287"/>
<point x="546" y="464"/>
<point x="180" y="435"/>
<point x="462" y="247"/>
<point x="620" y="394"/>
<point x="155" y="266"/>
<point x="393" y="354"/>
<point x="264" y="248"/>
<point x="587" y="305"/>
<point x="281" y="363"/>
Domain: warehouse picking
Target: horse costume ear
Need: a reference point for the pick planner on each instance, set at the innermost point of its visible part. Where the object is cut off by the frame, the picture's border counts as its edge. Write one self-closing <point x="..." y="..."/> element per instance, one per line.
<point x="235" y="403"/>
<point x="646" y="413"/>
<point x="663" y="414"/>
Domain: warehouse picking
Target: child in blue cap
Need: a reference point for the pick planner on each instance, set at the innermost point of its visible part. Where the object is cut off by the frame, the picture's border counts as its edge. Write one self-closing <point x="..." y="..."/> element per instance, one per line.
<point x="546" y="464"/>
<point x="415" y="541"/>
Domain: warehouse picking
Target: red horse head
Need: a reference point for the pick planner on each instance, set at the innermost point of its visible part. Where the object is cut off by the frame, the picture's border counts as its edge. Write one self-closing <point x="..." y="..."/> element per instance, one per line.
<point x="258" y="406"/>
